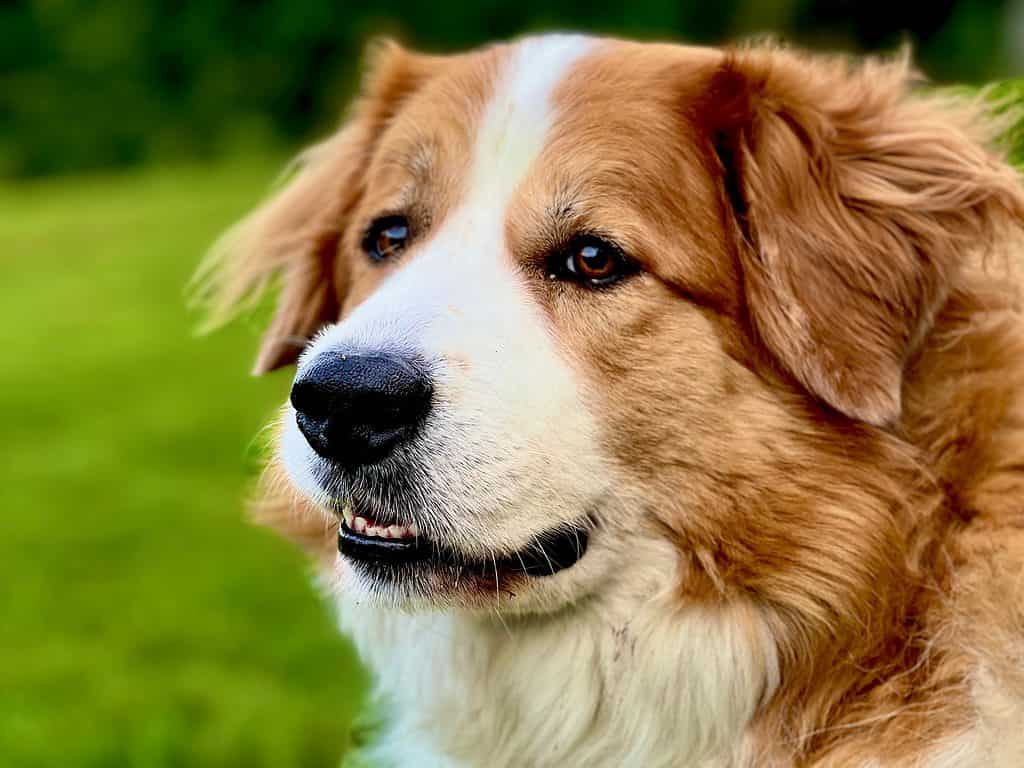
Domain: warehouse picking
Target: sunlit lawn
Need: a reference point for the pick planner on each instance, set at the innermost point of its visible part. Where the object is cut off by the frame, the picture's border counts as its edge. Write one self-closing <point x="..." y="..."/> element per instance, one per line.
<point x="143" y="621"/>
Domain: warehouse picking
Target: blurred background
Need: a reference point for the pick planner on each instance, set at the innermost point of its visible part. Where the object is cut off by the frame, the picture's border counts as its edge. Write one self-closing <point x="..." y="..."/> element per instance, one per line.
<point x="143" y="621"/>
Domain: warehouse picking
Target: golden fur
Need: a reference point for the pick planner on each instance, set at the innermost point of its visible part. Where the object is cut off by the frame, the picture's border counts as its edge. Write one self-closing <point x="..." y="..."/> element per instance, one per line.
<point x="817" y="389"/>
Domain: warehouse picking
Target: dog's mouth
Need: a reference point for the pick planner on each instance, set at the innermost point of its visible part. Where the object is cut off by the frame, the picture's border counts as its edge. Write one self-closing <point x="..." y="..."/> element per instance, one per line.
<point x="375" y="543"/>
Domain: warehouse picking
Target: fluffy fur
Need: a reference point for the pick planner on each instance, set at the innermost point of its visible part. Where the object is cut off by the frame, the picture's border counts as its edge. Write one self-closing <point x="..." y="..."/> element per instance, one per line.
<point x="799" y="428"/>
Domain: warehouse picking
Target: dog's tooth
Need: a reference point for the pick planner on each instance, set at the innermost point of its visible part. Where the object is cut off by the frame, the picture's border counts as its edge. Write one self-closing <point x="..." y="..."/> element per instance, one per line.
<point x="362" y="525"/>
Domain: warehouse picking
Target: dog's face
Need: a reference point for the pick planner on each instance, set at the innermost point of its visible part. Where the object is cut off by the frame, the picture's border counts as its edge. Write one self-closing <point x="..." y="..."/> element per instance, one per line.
<point x="500" y="273"/>
<point x="581" y="301"/>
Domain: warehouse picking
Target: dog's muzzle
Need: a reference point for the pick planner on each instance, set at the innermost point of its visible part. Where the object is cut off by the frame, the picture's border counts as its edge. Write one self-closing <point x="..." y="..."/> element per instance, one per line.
<point x="358" y="410"/>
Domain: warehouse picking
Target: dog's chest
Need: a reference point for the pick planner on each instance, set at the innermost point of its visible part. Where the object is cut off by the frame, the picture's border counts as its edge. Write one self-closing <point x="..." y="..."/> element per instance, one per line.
<point x="582" y="691"/>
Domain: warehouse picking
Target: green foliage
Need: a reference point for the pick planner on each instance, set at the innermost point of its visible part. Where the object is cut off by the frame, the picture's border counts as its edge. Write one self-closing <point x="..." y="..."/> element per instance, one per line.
<point x="1009" y="96"/>
<point x="144" y="621"/>
<point x="100" y="83"/>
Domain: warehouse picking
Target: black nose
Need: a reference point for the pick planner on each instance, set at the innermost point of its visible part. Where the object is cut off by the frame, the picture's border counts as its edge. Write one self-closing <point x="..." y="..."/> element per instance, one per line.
<point x="356" y="408"/>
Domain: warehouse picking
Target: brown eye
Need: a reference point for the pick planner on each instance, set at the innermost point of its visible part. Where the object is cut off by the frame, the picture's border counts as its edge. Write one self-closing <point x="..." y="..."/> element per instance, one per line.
<point x="592" y="261"/>
<point x="386" y="237"/>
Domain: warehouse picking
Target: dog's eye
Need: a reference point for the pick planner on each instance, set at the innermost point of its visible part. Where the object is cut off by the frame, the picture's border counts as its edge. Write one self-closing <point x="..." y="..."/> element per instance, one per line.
<point x="386" y="237"/>
<point x="591" y="261"/>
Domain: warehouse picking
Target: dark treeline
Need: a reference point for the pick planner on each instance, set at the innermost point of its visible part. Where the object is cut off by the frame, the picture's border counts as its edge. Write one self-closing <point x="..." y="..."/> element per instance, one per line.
<point x="105" y="83"/>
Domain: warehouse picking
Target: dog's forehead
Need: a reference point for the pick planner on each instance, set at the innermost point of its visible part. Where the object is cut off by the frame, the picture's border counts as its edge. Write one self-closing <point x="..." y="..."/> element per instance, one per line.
<point x="517" y="118"/>
<point x="500" y="106"/>
<point x="488" y="118"/>
<point x="569" y="87"/>
<point x="508" y="148"/>
<point x="475" y="130"/>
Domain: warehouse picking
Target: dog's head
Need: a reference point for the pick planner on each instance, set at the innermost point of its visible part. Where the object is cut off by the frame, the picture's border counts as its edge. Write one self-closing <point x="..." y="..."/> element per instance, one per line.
<point x="561" y="305"/>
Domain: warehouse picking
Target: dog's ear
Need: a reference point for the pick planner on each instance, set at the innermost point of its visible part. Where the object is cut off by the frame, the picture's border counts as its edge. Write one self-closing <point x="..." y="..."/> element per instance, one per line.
<point x="294" y="235"/>
<point x="853" y="202"/>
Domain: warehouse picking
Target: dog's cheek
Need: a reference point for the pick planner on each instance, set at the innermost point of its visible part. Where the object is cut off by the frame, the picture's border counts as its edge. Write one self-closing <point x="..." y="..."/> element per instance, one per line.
<point x="654" y="373"/>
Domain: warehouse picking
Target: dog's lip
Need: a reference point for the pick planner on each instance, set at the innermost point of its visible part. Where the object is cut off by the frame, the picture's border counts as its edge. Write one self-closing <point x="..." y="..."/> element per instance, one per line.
<point x="374" y="548"/>
<point x="545" y="555"/>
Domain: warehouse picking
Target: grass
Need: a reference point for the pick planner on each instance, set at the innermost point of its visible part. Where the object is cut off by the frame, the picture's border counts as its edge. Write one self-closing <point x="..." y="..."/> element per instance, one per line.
<point x="1009" y="95"/>
<point x="143" y="621"/>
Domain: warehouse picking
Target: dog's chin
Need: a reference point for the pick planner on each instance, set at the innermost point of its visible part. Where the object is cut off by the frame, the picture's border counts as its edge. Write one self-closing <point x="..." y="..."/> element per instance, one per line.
<point x="397" y="565"/>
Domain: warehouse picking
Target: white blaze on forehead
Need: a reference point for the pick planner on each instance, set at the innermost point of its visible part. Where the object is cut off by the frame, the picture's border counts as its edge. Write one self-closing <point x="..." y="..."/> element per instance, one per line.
<point x="517" y="119"/>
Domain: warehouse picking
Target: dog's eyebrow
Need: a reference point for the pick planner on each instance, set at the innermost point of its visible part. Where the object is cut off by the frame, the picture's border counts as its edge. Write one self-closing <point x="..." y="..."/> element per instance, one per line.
<point x="563" y="210"/>
<point x="553" y="223"/>
<point x="563" y="207"/>
<point x="421" y="158"/>
<point x="416" y="158"/>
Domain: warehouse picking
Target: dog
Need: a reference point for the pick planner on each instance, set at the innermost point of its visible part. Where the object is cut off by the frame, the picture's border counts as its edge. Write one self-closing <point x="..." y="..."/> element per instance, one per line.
<point x="656" y="405"/>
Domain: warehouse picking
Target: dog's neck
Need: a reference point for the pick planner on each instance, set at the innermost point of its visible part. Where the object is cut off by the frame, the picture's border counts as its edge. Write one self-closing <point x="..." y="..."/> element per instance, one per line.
<point x="626" y="678"/>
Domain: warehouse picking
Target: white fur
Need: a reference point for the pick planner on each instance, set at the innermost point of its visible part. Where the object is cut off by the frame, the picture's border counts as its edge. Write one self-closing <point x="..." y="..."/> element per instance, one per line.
<point x="629" y="679"/>
<point x="597" y="665"/>
<point x="996" y="739"/>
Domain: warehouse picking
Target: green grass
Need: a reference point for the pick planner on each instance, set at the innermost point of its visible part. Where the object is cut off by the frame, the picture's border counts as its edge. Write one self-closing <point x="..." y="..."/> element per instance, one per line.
<point x="1009" y="94"/>
<point x="143" y="621"/>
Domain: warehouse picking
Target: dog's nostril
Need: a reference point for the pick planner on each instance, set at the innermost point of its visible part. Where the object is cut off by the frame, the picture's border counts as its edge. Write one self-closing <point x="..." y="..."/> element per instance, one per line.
<point x="309" y="397"/>
<point x="355" y="408"/>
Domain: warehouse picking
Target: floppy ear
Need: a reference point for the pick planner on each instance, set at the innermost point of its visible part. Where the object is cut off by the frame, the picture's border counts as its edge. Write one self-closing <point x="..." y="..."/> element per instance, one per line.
<point x="294" y="235"/>
<point x="854" y="203"/>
